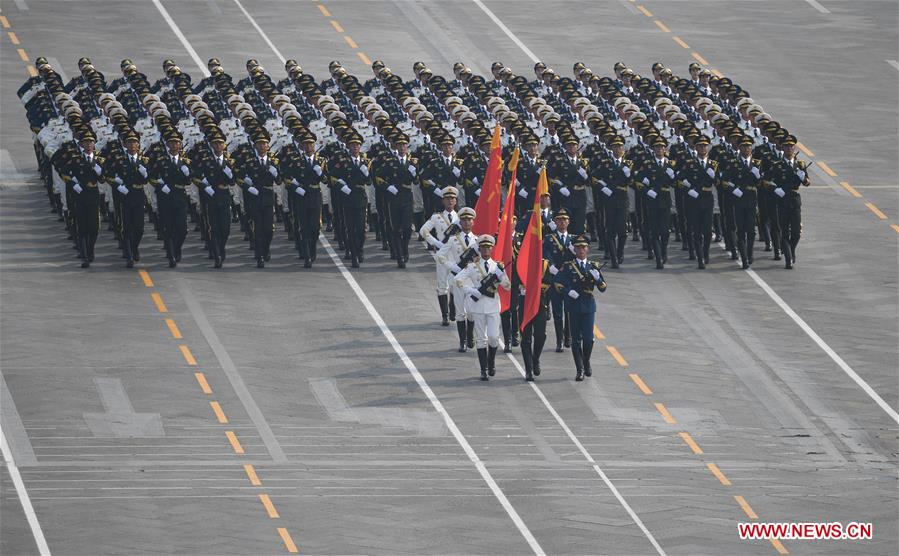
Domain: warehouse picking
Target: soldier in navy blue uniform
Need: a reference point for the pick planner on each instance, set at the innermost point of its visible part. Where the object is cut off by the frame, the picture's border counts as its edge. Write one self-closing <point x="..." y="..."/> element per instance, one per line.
<point x="743" y="181"/>
<point x="700" y="176"/>
<point x="577" y="281"/>
<point x="304" y="174"/>
<point x="570" y="175"/>
<point x="170" y="174"/>
<point x="785" y="176"/>
<point x="349" y="172"/>
<point x="533" y="337"/>
<point x="656" y="182"/>
<point x="400" y="173"/>
<point x="131" y="176"/>
<point x="557" y="249"/>
<point x="529" y="166"/>
<point x="615" y="176"/>
<point x="215" y="175"/>
<point x="259" y="175"/>
<point x="83" y="169"/>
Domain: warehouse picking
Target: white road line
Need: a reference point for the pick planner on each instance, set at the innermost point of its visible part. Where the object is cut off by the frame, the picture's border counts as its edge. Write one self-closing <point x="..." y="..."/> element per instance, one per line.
<point x="817" y="6"/>
<point x="574" y="439"/>
<point x="507" y="31"/>
<point x="261" y="32"/>
<point x="23" y="497"/>
<point x="187" y="46"/>
<point x="24" y="8"/>
<point x="893" y="63"/>
<point x="432" y="397"/>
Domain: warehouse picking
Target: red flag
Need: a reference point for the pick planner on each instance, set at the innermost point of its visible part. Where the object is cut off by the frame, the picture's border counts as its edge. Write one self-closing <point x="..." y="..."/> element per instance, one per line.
<point x="530" y="257"/>
<point x="503" y="250"/>
<point x="487" y="207"/>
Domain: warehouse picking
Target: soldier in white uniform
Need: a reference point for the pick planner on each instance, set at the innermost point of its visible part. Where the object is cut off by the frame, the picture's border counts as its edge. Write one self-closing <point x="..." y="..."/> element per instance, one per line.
<point x="480" y="282"/>
<point x="458" y="251"/>
<point x="443" y="225"/>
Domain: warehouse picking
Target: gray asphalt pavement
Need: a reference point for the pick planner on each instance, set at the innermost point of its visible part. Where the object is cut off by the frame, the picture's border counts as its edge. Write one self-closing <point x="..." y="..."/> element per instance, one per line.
<point x="245" y="411"/>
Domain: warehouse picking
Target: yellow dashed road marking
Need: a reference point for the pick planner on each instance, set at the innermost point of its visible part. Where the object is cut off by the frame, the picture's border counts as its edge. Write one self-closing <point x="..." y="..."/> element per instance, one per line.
<point x="717" y="74"/>
<point x="251" y="474"/>
<point x="32" y="71"/>
<point x="646" y="12"/>
<point x="827" y="169"/>
<point x="779" y="547"/>
<point x="746" y="507"/>
<point x="665" y="415"/>
<point x="235" y="444"/>
<point x="662" y="26"/>
<point x="699" y="58"/>
<point x="640" y="384"/>
<point x="188" y="356"/>
<point x="365" y="59"/>
<point x="680" y="41"/>
<point x="336" y="26"/>
<point x="685" y="436"/>
<point x="160" y="306"/>
<point x="269" y="507"/>
<point x="173" y="328"/>
<point x="850" y="189"/>
<point x="717" y="473"/>
<point x="877" y="212"/>
<point x="895" y="227"/>
<point x="288" y="541"/>
<point x="4" y="22"/>
<point x="219" y="414"/>
<point x="805" y="149"/>
<point x="145" y="276"/>
<point x="204" y="386"/>
<point x="617" y="356"/>
<point x="13" y="38"/>
<point x="22" y="54"/>
<point x="598" y="333"/>
<point x="349" y="40"/>
<point x="324" y="11"/>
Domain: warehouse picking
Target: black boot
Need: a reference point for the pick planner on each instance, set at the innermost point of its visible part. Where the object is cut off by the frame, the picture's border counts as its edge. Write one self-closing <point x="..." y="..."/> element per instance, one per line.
<point x="657" y="250"/>
<point x="469" y="334"/>
<point x="567" y="329"/>
<point x="558" y="325"/>
<point x="585" y="355"/>
<point x="460" y="329"/>
<point x="491" y="361"/>
<point x="528" y="362"/>
<point x="442" y="301"/>
<point x="506" y="322"/>
<point x="482" y="359"/>
<point x="578" y="363"/>
<point x="452" y="307"/>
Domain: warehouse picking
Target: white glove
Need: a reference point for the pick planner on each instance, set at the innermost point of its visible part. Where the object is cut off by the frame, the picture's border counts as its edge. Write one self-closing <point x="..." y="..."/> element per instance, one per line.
<point x="670" y="172"/>
<point x="571" y="247"/>
<point x="412" y="170"/>
<point x="737" y="192"/>
<point x="142" y="170"/>
<point x="346" y="190"/>
<point x="209" y="190"/>
<point x="687" y="183"/>
<point x="710" y="172"/>
<point x="693" y="193"/>
<point x="438" y="192"/>
<point x="607" y="191"/>
<point x="582" y="172"/>
<point x="227" y="172"/>
<point x="317" y="169"/>
<point x="564" y="191"/>
<point x="300" y="191"/>
<point x="627" y="171"/>
<point x="552" y="226"/>
<point x="118" y="180"/>
<point x="457" y="172"/>
<point x="77" y="187"/>
<point x="521" y="291"/>
<point x="253" y="190"/>
<point x="652" y="194"/>
<point x="122" y="189"/>
<point x="553" y="270"/>
<point x="204" y="181"/>
<point x="477" y="192"/>
<point x="185" y="170"/>
<point x="755" y="172"/>
<point x="645" y="181"/>
<point x="455" y="268"/>
<point x="523" y="193"/>
<point x="517" y="183"/>
<point x="165" y="189"/>
<point x="248" y="181"/>
<point x="436" y="242"/>
<point x="273" y="171"/>
<point x="97" y="169"/>
<point x="340" y="181"/>
<point x="475" y="181"/>
<point x="573" y="294"/>
<point x="557" y="183"/>
<point x="364" y="170"/>
<point x="594" y="273"/>
<point x="499" y="272"/>
<point x="801" y="175"/>
<point x="473" y="292"/>
<point x="780" y="192"/>
<point x="602" y="183"/>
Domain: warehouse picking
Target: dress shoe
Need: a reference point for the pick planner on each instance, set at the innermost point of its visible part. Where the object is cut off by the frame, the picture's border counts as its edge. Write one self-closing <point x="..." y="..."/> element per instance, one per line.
<point x="172" y="263"/>
<point x="218" y="262"/>
<point x="536" y="367"/>
<point x="307" y="264"/>
<point x="260" y="263"/>
<point x="130" y="263"/>
<point x="85" y="264"/>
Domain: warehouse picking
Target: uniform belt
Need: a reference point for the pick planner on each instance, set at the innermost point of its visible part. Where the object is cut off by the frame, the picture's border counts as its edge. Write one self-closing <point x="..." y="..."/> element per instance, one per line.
<point x="750" y="188"/>
<point x="622" y="188"/>
<point x="178" y="186"/>
<point x="93" y="185"/>
<point x="407" y="186"/>
<point x="223" y="187"/>
<point x="707" y="189"/>
<point x="665" y="189"/>
<point x="137" y="186"/>
<point x="314" y="186"/>
<point x="579" y="187"/>
<point x="270" y="187"/>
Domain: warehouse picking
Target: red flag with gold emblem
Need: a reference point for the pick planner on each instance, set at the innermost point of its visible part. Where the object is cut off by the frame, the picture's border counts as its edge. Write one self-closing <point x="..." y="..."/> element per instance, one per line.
<point x="530" y="257"/>
<point x="503" y="250"/>
<point x="487" y="208"/>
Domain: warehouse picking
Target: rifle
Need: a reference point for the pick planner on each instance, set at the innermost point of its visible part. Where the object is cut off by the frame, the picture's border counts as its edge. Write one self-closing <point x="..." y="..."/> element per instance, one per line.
<point x="488" y="284"/>
<point x="467" y="257"/>
<point x="452" y="230"/>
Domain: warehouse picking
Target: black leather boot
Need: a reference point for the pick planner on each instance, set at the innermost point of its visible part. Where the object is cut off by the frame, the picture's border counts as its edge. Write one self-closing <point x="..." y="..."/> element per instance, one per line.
<point x="585" y="356"/>
<point x="460" y="328"/>
<point x="491" y="361"/>
<point x="528" y="362"/>
<point x="469" y="334"/>
<point x="557" y="323"/>
<point x="452" y="307"/>
<point x="578" y="363"/>
<point x="444" y="310"/>
<point x="482" y="359"/>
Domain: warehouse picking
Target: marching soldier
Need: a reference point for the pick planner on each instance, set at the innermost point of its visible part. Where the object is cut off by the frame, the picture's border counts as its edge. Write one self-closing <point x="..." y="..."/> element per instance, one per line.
<point x="260" y="176"/>
<point x="657" y="180"/>
<point x="743" y="179"/>
<point x="557" y="249"/>
<point x="473" y="169"/>
<point x="400" y="173"/>
<point x="527" y="174"/>
<point x="444" y="224"/>
<point x="441" y="172"/>
<point x="699" y="177"/>
<point x="216" y="176"/>
<point x="458" y="252"/>
<point x="131" y="176"/>
<point x="170" y="174"/>
<point x="615" y="179"/>
<point x="533" y="337"/>
<point x="84" y="170"/>
<point x="786" y="175"/>
<point x="480" y="282"/>
<point x="571" y="178"/>
<point x="576" y="282"/>
<point x="350" y="172"/>
<point x="306" y="174"/>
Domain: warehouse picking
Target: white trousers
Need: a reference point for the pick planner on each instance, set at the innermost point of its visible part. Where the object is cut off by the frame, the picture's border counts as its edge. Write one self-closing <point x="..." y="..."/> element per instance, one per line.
<point x="486" y="329"/>
<point x="459" y="297"/>
<point x="443" y="278"/>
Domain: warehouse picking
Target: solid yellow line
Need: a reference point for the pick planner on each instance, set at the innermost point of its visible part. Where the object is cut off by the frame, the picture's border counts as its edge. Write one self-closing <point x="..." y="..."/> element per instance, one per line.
<point x="850" y="189"/>
<point x="219" y="414"/>
<point x="665" y="415"/>
<point x="4" y="22"/>
<point x="699" y="58"/>
<point x="877" y="212"/>
<point x="251" y="474"/>
<point x="895" y="227"/>
<point x="204" y="386"/>
<point x="238" y="449"/>
<point x="188" y="356"/>
<point x="160" y="306"/>
<point x="288" y="542"/>
<point x="365" y="59"/>
<point x="685" y="436"/>
<point x="145" y="276"/>
<point x="679" y="41"/>
<point x="269" y="507"/>
<point x="746" y="507"/>
<point x="779" y="547"/>
<point x="717" y="74"/>
<point x="324" y="11"/>
<point x="336" y="26"/>
<point x="717" y="472"/>
<point x="349" y="40"/>
<point x="827" y="169"/>
<point x="662" y="26"/>
<point x="13" y="38"/>
<point x="617" y="356"/>
<point x="173" y="328"/>
<point x="22" y="54"/>
<point x="640" y="384"/>
<point x="804" y="149"/>
<point x="32" y="71"/>
<point x="598" y="333"/>
<point x="646" y="12"/>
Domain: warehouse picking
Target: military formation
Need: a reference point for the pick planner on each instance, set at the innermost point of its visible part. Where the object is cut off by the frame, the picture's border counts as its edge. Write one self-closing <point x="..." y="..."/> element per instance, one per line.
<point x="391" y="160"/>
